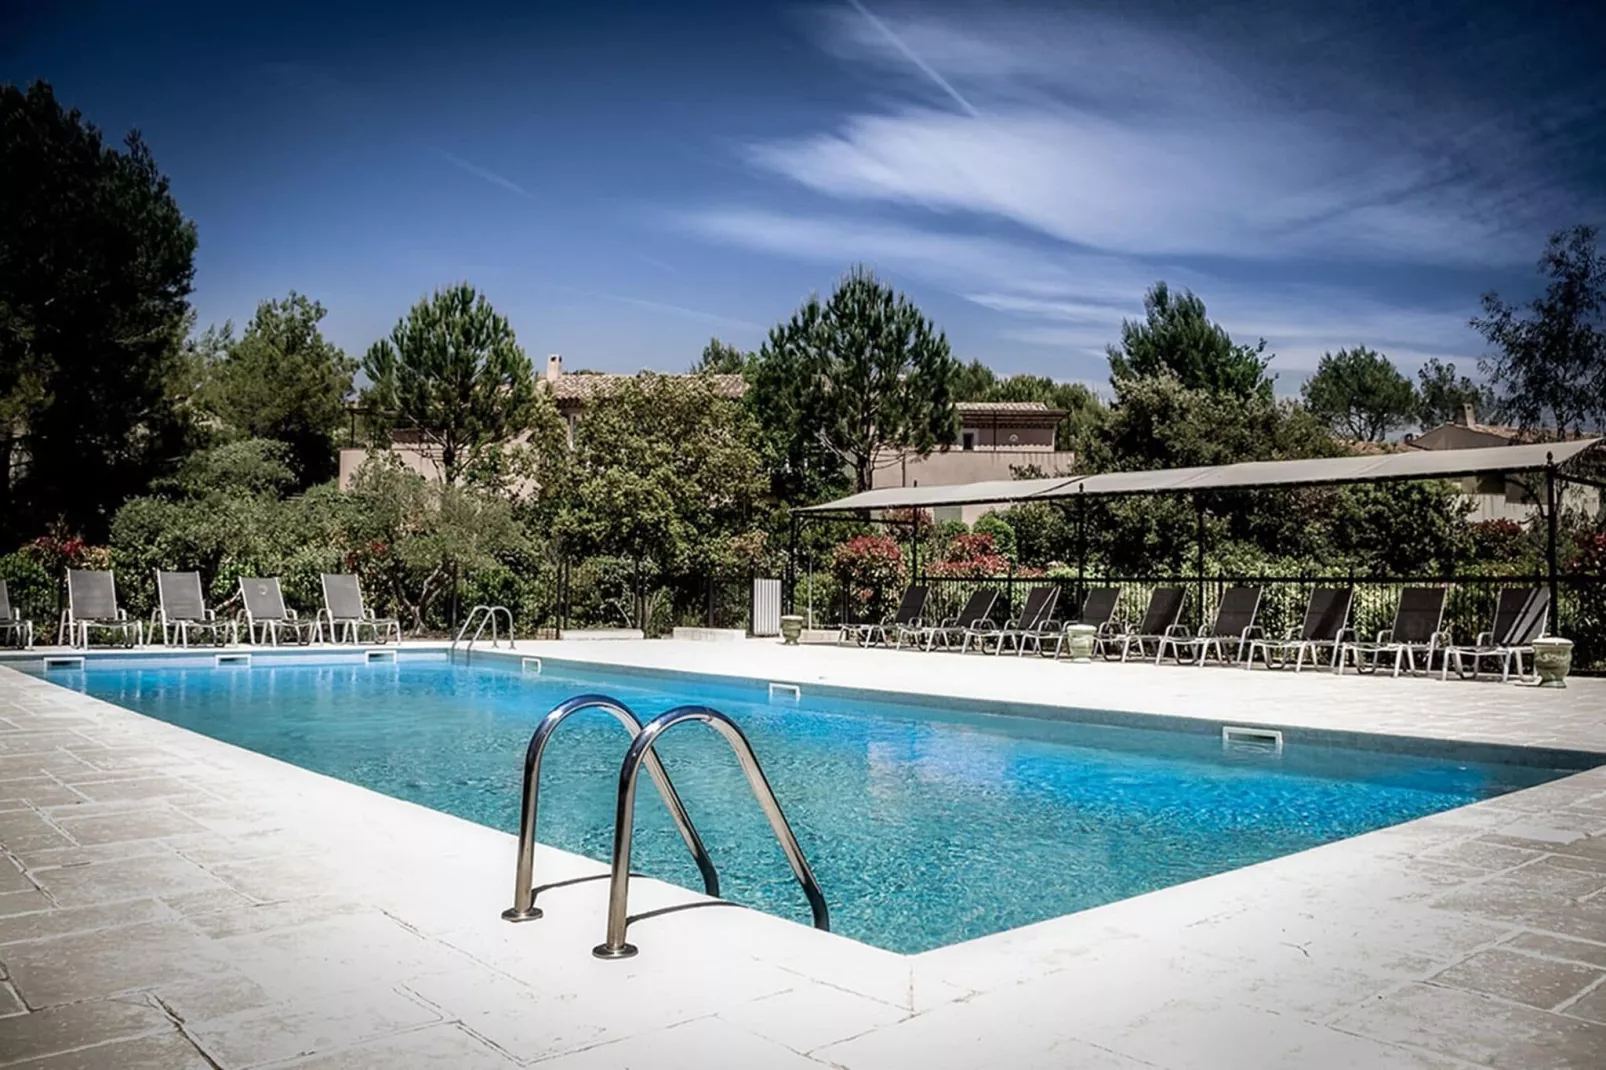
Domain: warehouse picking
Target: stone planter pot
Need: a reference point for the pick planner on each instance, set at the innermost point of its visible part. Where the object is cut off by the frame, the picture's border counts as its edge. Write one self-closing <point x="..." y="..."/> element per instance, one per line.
<point x="791" y="628"/>
<point x="1079" y="641"/>
<point x="1553" y="660"/>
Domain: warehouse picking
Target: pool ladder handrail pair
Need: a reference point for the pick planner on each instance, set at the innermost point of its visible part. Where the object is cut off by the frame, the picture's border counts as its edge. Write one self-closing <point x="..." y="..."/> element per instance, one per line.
<point x="643" y="738"/>
<point x="484" y="614"/>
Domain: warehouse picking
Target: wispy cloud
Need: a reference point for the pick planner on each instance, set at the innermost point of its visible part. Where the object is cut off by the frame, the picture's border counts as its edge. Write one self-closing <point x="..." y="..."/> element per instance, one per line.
<point x="1074" y="301"/>
<point x="679" y="311"/>
<point x="1095" y="153"/>
<point x="482" y="172"/>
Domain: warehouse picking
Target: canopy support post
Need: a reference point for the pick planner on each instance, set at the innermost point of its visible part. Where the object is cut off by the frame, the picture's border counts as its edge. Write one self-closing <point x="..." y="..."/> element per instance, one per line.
<point x="1199" y="556"/>
<point x="1081" y="546"/>
<point x="1551" y="555"/>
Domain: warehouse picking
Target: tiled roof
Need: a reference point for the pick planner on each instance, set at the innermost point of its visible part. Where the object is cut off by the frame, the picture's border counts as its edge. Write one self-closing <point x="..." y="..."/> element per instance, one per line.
<point x="1001" y="406"/>
<point x="583" y="386"/>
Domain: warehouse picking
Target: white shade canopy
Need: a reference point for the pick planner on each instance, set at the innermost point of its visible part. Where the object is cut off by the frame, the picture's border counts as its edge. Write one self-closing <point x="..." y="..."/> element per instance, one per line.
<point x="1371" y="468"/>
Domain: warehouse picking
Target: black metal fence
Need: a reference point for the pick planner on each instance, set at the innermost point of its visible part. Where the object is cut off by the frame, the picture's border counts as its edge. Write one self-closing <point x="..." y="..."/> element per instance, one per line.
<point x="1580" y="613"/>
<point x="614" y="593"/>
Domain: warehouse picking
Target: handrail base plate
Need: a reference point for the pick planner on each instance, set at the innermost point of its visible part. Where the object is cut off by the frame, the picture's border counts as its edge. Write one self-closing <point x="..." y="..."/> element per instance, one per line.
<point x="530" y="913"/>
<point x="624" y="951"/>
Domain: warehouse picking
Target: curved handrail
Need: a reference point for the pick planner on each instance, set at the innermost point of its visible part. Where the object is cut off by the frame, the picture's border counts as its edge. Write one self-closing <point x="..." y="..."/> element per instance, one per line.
<point x="489" y="617"/>
<point x="624" y="819"/>
<point x="524" y="908"/>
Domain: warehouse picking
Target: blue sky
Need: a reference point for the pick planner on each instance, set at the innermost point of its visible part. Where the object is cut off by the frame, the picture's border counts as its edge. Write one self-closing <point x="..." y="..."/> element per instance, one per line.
<point x="624" y="180"/>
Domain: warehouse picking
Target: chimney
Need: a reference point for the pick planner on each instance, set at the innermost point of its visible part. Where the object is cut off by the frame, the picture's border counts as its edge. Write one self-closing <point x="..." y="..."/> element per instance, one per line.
<point x="1469" y="418"/>
<point x="554" y="368"/>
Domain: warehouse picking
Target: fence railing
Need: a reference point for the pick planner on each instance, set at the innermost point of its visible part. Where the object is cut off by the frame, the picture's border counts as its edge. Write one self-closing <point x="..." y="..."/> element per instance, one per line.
<point x="1579" y="615"/>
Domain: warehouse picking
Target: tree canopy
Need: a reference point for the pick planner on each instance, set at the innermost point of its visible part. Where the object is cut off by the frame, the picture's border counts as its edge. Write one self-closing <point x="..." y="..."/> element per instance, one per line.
<point x="1549" y="360"/>
<point x="453" y="372"/>
<point x="1177" y="337"/>
<point x="722" y="358"/>
<point x="862" y="372"/>
<point x="282" y="380"/>
<point x="1443" y="396"/>
<point x="1360" y="394"/>
<point x="96" y="263"/>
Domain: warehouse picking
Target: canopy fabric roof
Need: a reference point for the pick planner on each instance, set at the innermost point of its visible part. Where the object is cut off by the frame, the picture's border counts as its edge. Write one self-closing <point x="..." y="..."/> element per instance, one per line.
<point x="1371" y="468"/>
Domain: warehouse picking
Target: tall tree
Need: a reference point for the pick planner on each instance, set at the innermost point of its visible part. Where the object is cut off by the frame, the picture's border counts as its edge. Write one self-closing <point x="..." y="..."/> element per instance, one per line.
<point x="862" y="372"/>
<point x="1443" y="396"/>
<point x="1360" y="394"/>
<point x="664" y="469"/>
<point x="453" y="372"/>
<point x="96" y="262"/>
<point x="722" y="358"/>
<point x="283" y="380"/>
<point x="1549" y="364"/>
<point x="1177" y="337"/>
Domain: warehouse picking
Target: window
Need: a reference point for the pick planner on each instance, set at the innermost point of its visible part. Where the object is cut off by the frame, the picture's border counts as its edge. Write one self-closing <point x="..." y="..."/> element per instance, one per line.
<point x="967" y="440"/>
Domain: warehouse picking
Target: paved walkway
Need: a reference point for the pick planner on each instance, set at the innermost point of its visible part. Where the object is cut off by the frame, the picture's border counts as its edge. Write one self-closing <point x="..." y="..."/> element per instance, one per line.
<point x="168" y="901"/>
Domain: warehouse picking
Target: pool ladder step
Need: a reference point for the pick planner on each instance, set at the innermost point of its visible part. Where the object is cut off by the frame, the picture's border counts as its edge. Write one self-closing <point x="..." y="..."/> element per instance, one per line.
<point x="643" y="737"/>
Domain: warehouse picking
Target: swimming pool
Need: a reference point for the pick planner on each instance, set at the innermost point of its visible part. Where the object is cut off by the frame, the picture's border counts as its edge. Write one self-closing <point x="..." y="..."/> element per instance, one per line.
<point x="925" y="825"/>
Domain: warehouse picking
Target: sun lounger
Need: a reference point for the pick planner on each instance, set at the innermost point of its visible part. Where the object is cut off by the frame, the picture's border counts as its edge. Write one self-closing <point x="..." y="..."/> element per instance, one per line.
<point x="1418" y="624"/>
<point x="344" y="614"/>
<point x="972" y="618"/>
<point x="1234" y="628"/>
<point x="1521" y="615"/>
<point x="1326" y="627"/>
<point x="12" y="623"/>
<point x="92" y="604"/>
<point x="181" y="611"/>
<point x="1098" y="610"/>
<point x="267" y="617"/>
<point x="1161" y="620"/>
<point x="1034" y="624"/>
<point x="908" y="613"/>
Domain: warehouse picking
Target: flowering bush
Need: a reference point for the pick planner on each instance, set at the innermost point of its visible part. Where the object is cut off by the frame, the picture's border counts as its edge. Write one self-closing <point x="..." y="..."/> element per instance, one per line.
<point x="868" y="569"/>
<point x="1499" y="540"/>
<point x="970" y="557"/>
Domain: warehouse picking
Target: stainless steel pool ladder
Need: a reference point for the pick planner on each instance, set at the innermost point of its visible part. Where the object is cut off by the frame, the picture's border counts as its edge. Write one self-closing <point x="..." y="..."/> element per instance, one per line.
<point x="643" y="738"/>
<point x="484" y="615"/>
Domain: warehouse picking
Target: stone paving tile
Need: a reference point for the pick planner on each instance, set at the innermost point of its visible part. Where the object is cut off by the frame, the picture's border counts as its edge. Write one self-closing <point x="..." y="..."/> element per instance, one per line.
<point x="1537" y="982"/>
<point x="1591" y="1005"/>
<point x="107" y="882"/>
<point x="12" y="878"/>
<point x="137" y="825"/>
<point x="334" y="955"/>
<point x="703" y="1044"/>
<point x="213" y="995"/>
<point x="281" y="1032"/>
<point x="436" y="1047"/>
<point x="105" y="962"/>
<point x="61" y="1029"/>
<point x="28" y="900"/>
<point x="812" y="1016"/>
<point x="22" y="830"/>
<point x="163" y="1051"/>
<point x="1589" y="953"/>
<point x="10" y="1002"/>
<point x="46" y="924"/>
<point x="38" y="791"/>
<point x="1481" y="1030"/>
<point x="129" y="789"/>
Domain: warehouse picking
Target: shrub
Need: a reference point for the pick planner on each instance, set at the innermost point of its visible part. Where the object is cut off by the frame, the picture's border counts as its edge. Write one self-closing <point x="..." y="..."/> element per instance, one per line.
<point x="1001" y="531"/>
<point x="868" y="569"/>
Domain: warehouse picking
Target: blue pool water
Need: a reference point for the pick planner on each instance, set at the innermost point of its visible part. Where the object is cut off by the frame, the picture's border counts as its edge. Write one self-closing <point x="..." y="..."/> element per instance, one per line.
<point x="924" y="826"/>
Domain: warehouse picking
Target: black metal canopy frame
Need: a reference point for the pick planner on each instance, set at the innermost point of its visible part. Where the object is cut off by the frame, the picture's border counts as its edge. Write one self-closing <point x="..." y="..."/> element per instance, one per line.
<point x="1570" y="461"/>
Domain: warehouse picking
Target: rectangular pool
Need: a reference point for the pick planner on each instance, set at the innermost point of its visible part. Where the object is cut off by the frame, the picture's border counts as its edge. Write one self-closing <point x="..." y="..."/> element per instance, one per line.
<point x="925" y="825"/>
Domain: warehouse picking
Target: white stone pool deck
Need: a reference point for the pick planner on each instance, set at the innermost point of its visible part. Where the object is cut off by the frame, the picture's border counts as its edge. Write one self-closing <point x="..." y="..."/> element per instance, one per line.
<point x="169" y="901"/>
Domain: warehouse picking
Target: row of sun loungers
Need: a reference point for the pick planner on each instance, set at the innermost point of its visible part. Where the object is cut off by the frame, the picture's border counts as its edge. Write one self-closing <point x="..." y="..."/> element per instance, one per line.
<point x="182" y="614"/>
<point x="1415" y="638"/>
